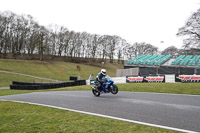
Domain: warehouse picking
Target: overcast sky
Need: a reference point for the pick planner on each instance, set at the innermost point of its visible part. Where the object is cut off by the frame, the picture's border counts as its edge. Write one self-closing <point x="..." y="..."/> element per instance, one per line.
<point x="150" y="21"/>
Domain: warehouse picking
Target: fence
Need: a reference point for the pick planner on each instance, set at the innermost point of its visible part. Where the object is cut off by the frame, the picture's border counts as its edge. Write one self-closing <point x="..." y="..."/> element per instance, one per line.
<point x="126" y="72"/>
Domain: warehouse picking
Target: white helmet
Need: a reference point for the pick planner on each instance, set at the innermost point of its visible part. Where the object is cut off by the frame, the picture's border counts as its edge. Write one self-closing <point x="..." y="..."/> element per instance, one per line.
<point x="103" y="71"/>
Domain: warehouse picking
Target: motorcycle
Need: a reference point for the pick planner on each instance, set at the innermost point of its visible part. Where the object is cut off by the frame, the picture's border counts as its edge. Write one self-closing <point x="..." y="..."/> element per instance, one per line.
<point x="107" y="86"/>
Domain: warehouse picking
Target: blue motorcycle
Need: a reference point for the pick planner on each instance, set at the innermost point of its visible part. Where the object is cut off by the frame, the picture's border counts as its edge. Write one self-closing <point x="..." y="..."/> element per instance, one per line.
<point x="107" y="86"/>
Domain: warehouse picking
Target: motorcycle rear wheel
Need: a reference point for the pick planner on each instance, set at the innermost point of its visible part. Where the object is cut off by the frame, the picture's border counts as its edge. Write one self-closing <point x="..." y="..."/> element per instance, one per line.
<point x="96" y="92"/>
<point x="114" y="90"/>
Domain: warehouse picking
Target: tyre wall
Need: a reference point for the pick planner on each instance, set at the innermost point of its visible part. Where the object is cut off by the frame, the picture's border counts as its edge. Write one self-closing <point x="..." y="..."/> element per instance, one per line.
<point x="37" y="86"/>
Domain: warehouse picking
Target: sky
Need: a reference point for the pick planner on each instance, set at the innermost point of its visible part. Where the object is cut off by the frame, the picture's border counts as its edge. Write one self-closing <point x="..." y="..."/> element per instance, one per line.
<point x="151" y="21"/>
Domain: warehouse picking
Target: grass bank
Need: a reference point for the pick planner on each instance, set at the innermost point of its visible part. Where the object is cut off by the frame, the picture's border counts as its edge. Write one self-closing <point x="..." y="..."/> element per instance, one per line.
<point x="18" y="117"/>
<point x="6" y="79"/>
<point x="52" y="69"/>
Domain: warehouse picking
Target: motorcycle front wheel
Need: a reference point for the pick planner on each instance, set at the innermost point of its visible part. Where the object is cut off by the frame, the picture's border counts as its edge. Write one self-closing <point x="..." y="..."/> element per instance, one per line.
<point x="95" y="92"/>
<point x="114" y="89"/>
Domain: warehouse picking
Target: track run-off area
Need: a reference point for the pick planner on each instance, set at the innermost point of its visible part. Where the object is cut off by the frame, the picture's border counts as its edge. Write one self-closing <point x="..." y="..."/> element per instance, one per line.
<point x="169" y="111"/>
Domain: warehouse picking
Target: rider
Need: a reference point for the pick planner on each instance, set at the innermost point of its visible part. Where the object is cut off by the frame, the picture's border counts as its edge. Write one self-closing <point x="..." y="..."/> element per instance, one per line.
<point x="100" y="78"/>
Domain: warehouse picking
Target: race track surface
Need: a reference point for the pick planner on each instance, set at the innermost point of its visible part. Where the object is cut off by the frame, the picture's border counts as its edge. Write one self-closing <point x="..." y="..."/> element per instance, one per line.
<point x="171" y="110"/>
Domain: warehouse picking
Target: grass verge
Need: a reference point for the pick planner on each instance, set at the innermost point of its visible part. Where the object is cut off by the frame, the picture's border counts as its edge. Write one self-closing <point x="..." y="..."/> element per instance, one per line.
<point x="172" y="88"/>
<point x="18" y="117"/>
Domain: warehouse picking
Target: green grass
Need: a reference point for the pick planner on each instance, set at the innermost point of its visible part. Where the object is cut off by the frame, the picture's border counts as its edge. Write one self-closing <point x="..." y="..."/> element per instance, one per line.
<point x="4" y="92"/>
<point x="6" y="79"/>
<point x="18" y="117"/>
<point x="52" y="69"/>
<point x="173" y="88"/>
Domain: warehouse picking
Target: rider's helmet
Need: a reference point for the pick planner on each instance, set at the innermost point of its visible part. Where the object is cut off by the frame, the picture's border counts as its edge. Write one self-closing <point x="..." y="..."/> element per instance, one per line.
<point x="103" y="71"/>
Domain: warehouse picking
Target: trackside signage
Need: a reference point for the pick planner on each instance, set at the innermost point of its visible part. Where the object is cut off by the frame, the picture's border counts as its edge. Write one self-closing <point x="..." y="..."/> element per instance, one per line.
<point x="134" y="79"/>
<point x="138" y="79"/>
<point x="189" y="78"/>
<point x="154" y="79"/>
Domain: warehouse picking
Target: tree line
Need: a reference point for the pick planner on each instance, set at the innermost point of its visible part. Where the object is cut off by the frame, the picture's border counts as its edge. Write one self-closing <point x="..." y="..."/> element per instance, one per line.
<point x="22" y="35"/>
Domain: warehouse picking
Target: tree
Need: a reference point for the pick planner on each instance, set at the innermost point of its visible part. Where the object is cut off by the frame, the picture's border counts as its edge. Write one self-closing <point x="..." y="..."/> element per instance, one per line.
<point x="33" y="28"/>
<point x="103" y="47"/>
<point x="6" y="32"/>
<point x="94" y="45"/>
<point x="42" y="41"/>
<point x="111" y="46"/>
<point x="172" y="50"/>
<point x="83" y="48"/>
<point x="120" y="48"/>
<point x="22" y="35"/>
<point x="138" y="49"/>
<point x="62" y="43"/>
<point x="145" y="48"/>
<point x="191" y="31"/>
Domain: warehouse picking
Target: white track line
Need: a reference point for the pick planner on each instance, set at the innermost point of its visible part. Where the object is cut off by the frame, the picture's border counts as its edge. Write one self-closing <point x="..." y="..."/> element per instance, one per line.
<point x="106" y="116"/>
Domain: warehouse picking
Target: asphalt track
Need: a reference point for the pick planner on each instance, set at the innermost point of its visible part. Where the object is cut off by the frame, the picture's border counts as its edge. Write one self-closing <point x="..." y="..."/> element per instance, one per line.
<point x="170" y="110"/>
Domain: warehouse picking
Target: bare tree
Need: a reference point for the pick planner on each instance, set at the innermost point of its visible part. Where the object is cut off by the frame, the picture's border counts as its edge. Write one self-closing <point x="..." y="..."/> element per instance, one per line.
<point x="172" y="50"/>
<point x="120" y="48"/>
<point x="191" y="31"/>
<point x="21" y="34"/>
<point x="41" y="40"/>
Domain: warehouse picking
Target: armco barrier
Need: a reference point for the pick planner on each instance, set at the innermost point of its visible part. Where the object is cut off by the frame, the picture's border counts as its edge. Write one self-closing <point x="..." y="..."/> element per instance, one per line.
<point x="36" y="86"/>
